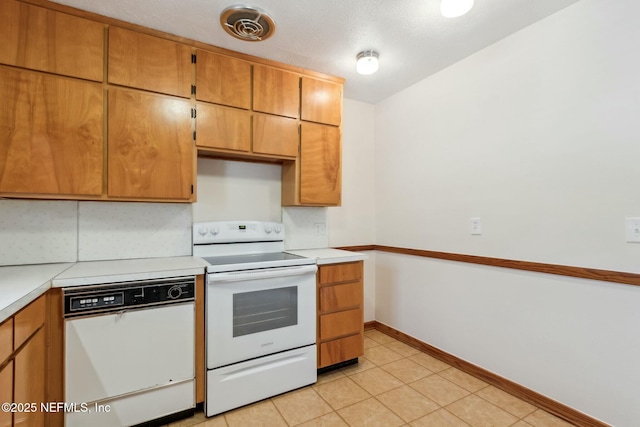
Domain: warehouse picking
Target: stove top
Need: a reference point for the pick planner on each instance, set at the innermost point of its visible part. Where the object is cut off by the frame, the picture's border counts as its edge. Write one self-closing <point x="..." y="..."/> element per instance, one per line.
<point x="243" y="245"/>
<point x="219" y="264"/>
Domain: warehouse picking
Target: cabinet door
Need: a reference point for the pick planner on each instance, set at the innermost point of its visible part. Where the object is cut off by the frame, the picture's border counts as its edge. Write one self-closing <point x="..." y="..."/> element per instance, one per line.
<point x="6" y="393"/>
<point x="223" y="80"/>
<point x="28" y="320"/>
<point x="224" y="128"/>
<point x="6" y="340"/>
<point x="29" y="385"/>
<point x="41" y="39"/>
<point x="276" y="91"/>
<point x="321" y="101"/>
<point x="274" y="135"/>
<point x="320" y="169"/>
<point x="151" y="152"/>
<point x="50" y="134"/>
<point x="150" y="63"/>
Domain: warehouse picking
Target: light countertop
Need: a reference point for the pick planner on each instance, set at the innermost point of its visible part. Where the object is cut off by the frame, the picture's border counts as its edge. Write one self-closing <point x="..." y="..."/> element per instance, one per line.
<point x="329" y="255"/>
<point x="22" y="284"/>
<point x="97" y="272"/>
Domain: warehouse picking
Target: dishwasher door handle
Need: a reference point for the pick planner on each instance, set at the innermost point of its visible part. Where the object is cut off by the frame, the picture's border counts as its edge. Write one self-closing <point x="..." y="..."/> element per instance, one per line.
<point x="267" y="273"/>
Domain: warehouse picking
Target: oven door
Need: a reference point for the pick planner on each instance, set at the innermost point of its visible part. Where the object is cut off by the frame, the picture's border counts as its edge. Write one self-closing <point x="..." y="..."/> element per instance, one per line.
<point x="259" y="312"/>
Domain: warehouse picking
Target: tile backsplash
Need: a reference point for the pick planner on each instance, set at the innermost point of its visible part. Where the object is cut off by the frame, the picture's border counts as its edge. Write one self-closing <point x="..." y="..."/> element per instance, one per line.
<point x="133" y="230"/>
<point x="38" y="232"/>
<point x="42" y="232"/>
<point x="306" y="228"/>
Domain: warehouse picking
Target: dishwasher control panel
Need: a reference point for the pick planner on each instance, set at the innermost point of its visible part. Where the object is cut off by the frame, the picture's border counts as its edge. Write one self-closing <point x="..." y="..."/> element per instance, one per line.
<point x="122" y="296"/>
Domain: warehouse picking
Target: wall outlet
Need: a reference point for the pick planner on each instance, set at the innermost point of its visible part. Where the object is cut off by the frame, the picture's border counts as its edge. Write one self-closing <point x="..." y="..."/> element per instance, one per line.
<point x="321" y="228"/>
<point x="476" y="226"/>
<point x="632" y="227"/>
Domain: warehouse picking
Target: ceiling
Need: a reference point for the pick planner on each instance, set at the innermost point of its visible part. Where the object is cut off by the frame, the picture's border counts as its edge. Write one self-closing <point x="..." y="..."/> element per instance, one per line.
<point x="412" y="38"/>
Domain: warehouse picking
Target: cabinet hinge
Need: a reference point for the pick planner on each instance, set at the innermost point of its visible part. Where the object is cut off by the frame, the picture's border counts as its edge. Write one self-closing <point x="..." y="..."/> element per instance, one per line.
<point x="191" y="188"/>
<point x="193" y="58"/>
<point x="194" y="135"/>
<point x="193" y="113"/>
<point x="193" y="89"/>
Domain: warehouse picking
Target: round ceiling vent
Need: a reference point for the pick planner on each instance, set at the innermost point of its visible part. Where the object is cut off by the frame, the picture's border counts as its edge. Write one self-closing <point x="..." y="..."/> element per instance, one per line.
<point x="247" y="23"/>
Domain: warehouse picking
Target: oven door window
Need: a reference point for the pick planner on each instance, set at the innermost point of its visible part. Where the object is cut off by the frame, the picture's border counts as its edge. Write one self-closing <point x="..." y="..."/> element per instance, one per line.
<point x="261" y="311"/>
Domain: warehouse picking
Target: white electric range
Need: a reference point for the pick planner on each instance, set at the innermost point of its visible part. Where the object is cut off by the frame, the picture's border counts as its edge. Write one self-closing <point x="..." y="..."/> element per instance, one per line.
<point x="260" y="313"/>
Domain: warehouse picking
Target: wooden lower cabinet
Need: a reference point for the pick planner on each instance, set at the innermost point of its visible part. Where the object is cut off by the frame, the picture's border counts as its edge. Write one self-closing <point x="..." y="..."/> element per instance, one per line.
<point x="27" y="373"/>
<point x="29" y="381"/>
<point x="340" y="321"/>
<point x="6" y="393"/>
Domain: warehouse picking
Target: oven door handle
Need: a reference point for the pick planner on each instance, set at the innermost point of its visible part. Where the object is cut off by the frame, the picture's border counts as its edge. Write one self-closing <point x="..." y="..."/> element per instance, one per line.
<point x="267" y="273"/>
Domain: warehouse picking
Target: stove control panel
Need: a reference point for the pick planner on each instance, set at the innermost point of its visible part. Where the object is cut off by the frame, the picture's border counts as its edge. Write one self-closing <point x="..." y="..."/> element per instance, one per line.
<point x="236" y="232"/>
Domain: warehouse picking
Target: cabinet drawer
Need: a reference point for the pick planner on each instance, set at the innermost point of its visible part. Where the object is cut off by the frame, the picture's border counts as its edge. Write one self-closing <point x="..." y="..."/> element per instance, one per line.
<point x="341" y="323"/>
<point x="28" y="321"/>
<point x="338" y="297"/>
<point x="6" y="341"/>
<point x="340" y="350"/>
<point x="340" y="272"/>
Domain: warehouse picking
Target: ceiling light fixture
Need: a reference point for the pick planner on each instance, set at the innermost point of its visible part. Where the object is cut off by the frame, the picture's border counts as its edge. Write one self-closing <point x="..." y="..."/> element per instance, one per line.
<point x="455" y="8"/>
<point x="367" y="62"/>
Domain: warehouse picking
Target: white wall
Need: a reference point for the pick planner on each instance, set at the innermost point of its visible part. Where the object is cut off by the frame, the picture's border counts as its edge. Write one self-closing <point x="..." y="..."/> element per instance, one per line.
<point x="537" y="135"/>
<point x="354" y="222"/>
<point x="235" y="190"/>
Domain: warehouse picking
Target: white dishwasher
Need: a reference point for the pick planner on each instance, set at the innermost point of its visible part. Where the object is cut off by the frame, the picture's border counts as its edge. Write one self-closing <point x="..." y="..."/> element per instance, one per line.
<point x="129" y="352"/>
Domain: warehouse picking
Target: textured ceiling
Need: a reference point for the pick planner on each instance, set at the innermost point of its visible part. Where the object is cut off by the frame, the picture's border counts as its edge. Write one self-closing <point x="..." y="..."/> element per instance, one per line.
<point x="412" y="38"/>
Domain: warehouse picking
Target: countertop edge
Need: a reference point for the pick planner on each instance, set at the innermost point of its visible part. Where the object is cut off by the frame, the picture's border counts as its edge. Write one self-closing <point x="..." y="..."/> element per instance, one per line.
<point x="65" y="278"/>
<point x="326" y="256"/>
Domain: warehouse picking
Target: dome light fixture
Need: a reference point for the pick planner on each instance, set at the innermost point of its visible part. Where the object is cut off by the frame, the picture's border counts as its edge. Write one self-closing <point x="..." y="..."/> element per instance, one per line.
<point x="455" y="8"/>
<point x="367" y="62"/>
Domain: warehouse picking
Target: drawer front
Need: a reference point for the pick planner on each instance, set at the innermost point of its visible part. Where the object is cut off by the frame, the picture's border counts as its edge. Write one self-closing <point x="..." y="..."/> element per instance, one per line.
<point x="341" y="350"/>
<point x="342" y="323"/>
<point x="338" y="273"/>
<point x="339" y="297"/>
<point x="6" y="340"/>
<point x="28" y="321"/>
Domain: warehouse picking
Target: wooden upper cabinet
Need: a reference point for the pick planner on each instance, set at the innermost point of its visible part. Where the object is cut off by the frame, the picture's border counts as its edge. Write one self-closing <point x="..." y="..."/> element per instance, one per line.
<point x="223" y="128"/>
<point x="276" y="91"/>
<point x="274" y="135"/>
<point x="223" y="80"/>
<point x="41" y="39"/>
<point x="321" y="101"/>
<point x="150" y="146"/>
<point x="320" y="165"/>
<point x="149" y="63"/>
<point x="51" y="134"/>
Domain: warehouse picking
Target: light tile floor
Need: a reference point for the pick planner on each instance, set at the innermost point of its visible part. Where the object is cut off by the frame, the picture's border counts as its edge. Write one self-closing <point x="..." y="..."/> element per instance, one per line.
<point x="392" y="385"/>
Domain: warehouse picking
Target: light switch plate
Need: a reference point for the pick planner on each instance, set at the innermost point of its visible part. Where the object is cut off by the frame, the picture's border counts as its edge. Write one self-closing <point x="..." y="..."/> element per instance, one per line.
<point x="476" y="226"/>
<point x="632" y="227"/>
